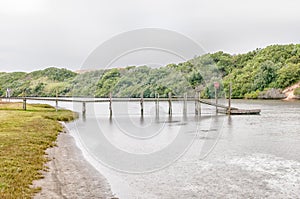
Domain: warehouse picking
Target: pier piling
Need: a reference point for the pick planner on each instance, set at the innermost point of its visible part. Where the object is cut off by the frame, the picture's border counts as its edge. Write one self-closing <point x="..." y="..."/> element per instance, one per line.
<point x="157" y="105"/>
<point x="142" y="103"/>
<point x="216" y="98"/>
<point x="197" y="103"/>
<point x="184" y="104"/>
<point x="24" y="104"/>
<point x="229" y="98"/>
<point x="110" y="105"/>
<point x="83" y="109"/>
<point x="170" y="103"/>
<point x="24" y="100"/>
<point x="56" y="101"/>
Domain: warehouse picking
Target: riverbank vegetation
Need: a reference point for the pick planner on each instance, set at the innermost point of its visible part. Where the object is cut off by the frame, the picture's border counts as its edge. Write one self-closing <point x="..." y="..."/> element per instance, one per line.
<point x="297" y="91"/>
<point x="252" y="74"/>
<point x="25" y="135"/>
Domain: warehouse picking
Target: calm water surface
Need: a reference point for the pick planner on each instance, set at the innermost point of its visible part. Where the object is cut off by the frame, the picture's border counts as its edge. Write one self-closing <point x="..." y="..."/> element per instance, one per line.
<point x="255" y="156"/>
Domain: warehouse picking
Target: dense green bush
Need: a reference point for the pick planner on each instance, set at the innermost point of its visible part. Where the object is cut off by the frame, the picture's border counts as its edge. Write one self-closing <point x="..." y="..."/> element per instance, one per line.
<point x="276" y="66"/>
<point x="288" y="75"/>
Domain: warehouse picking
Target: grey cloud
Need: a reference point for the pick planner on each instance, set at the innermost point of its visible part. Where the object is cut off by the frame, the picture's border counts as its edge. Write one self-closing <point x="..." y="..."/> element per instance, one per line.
<point x="38" y="33"/>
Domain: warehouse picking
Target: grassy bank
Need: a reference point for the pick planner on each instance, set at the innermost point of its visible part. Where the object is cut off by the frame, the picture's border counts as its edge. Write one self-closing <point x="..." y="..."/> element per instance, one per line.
<point x="24" y="137"/>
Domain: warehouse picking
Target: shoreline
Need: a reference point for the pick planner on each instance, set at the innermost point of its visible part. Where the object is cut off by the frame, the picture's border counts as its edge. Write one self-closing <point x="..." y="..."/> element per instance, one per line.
<point x="69" y="174"/>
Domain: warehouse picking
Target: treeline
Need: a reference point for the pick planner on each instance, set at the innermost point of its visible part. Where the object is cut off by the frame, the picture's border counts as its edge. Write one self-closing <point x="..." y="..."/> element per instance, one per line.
<point x="253" y="73"/>
<point x="37" y="83"/>
<point x="276" y="66"/>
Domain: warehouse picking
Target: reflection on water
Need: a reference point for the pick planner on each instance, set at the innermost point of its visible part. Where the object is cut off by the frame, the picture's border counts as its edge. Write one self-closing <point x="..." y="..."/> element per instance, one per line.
<point x="138" y="144"/>
<point x="225" y="157"/>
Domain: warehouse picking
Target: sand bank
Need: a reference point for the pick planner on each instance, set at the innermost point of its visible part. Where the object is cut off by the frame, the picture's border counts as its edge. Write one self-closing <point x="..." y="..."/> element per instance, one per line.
<point x="70" y="175"/>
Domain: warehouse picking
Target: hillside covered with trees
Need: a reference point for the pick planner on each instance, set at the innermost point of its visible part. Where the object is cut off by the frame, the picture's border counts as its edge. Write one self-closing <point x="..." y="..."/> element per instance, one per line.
<point x="252" y="74"/>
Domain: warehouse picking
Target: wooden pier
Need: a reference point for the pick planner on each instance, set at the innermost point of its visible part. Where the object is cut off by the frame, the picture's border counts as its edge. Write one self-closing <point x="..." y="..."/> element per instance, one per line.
<point x="219" y="107"/>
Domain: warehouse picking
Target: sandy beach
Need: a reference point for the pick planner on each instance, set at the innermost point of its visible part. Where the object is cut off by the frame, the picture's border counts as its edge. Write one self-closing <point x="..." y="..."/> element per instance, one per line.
<point x="70" y="175"/>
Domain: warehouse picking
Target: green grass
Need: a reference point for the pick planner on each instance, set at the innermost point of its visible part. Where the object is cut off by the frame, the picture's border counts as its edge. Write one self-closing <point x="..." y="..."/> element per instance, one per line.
<point x="24" y="137"/>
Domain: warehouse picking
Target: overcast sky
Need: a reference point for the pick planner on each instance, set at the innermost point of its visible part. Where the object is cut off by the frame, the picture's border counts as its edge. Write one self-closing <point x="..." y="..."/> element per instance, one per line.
<point x="35" y="34"/>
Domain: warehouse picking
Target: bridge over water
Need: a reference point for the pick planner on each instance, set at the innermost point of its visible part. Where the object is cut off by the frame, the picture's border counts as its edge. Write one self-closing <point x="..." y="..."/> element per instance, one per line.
<point x="220" y="108"/>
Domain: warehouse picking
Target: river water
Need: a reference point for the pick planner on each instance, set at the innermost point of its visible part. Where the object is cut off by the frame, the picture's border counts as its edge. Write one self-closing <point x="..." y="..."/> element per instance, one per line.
<point x="186" y="156"/>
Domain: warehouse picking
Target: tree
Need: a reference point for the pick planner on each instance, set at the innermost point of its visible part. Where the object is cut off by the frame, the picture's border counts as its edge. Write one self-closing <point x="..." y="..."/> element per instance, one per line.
<point x="107" y="82"/>
<point x="265" y="75"/>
